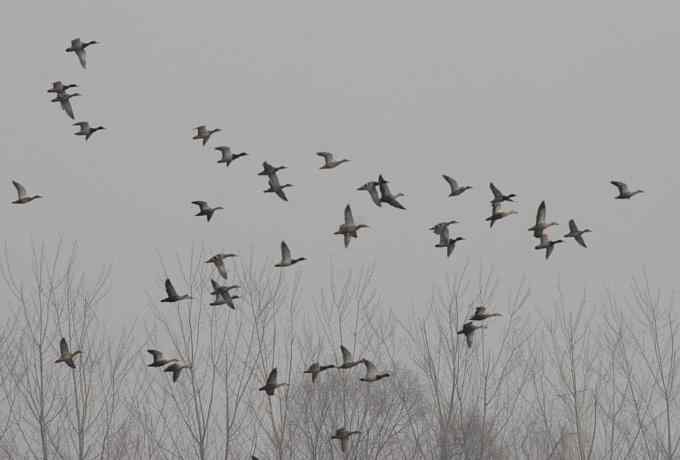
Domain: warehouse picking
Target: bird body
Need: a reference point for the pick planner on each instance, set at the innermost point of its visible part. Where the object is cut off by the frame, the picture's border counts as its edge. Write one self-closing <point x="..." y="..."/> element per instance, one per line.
<point x="576" y="234"/>
<point x="468" y="330"/>
<point x="58" y="87"/>
<point x="159" y="360"/>
<point x="66" y="356"/>
<point x="286" y="259"/>
<point x="349" y="229"/>
<point x="268" y="170"/>
<point x="386" y="195"/>
<point x="222" y="295"/>
<point x="205" y="210"/>
<point x="497" y="213"/>
<point x="547" y="244"/>
<point x="347" y="362"/>
<point x="329" y="162"/>
<point x="481" y="314"/>
<point x="22" y="195"/>
<point x="372" y="188"/>
<point x="176" y="369"/>
<point x="498" y="196"/>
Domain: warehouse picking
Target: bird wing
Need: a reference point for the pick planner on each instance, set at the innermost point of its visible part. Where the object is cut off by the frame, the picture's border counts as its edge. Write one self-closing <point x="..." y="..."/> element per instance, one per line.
<point x="540" y="214"/>
<point x="221" y="269"/>
<point x="281" y="194"/>
<point x="21" y="190"/>
<point x="66" y="106"/>
<point x="349" y="218"/>
<point x="346" y="354"/>
<point x="271" y="380"/>
<point x="451" y="181"/>
<point x="579" y="239"/>
<point x="200" y="130"/>
<point x="623" y="188"/>
<point x="157" y="355"/>
<point x="327" y="156"/>
<point x="495" y="207"/>
<point x="82" y="57"/>
<point x="572" y="226"/>
<point x="344" y="444"/>
<point x="170" y="289"/>
<point x="371" y="371"/>
<point x="549" y="250"/>
<point x="468" y="338"/>
<point x="496" y="193"/>
<point x="285" y="252"/>
<point x="201" y="204"/>
<point x="373" y="191"/>
<point x="480" y="310"/>
<point x="347" y="237"/>
<point x="84" y="126"/>
<point x="215" y="285"/>
<point x="63" y="346"/>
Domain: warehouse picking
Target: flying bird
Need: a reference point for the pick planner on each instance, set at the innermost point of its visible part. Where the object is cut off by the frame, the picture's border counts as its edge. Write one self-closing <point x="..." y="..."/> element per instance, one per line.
<point x="227" y="155"/>
<point x="372" y="374"/>
<point x="498" y="196"/>
<point x="347" y="360"/>
<point x="276" y="187"/>
<point x="203" y="134"/>
<point x="85" y="129"/>
<point x="349" y="229"/>
<point x="329" y="162"/>
<point x="64" y="100"/>
<point x="481" y="314"/>
<point x="540" y="225"/>
<point x="439" y="227"/>
<point x="497" y="213"/>
<point x="222" y="295"/>
<point x="22" y="195"/>
<point x="386" y="195"/>
<point x="78" y="47"/>
<point x="624" y="191"/>
<point x="205" y="210"/>
<point x="547" y="244"/>
<point x="58" y="87"/>
<point x="445" y="241"/>
<point x="468" y="330"/>
<point x="271" y="385"/>
<point x="372" y="188"/>
<point x="159" y="360"/>
<point x="315" y="369"/>
<point x="66" y="356"/>
<point x="286" y="259"/>
<point x="218" y="261"/>
<point x="172" y="293"/>
<point x="342" y="435"/>
<point x="268" y="170"/>
<point x="176" y="369"/>
<point x="576" y="234"/>
<point x="453" y="185"/>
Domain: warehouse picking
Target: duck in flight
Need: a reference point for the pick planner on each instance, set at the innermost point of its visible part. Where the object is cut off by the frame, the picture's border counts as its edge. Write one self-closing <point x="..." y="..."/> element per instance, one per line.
<point x="445" y="241"/>
<point x="78" y="47"/>
<point x="58" y="87"/>
<point x="625" y="192"/>
<point x="218" y="261"/>
<point x="498" y="196"/>
<point x="468" y="330"/>
<point x="276" y="187"/>
<point x="286" y="259"/>
<point x="456" y="189"/>
<point x="22" y="195"/>
<point x="271" y="385"/>
<point x="203" y="134"/>
<point x="342" y="435"/>
<point x="347" y="360"/>
<point x="85" y="129"/>
<point x="576" y="234"/>
<point x="64" y="100"/>
<point x="227" y="155"/>
<point x="547" y="244"/>
<point x="540" y="225"/>
<point x="268" y="170"/>
<point x="372" y="374"/>
<point x="315" y="369"/>
<point x="65" y="355"/>
<point x="158" y="359"/>
<point x="497" y="213"/>
<point x="172" y="293"/>
<point x="205" y="210"/>
<point x="386" y="195"/>
<point x="349" y="229"/>
<point x="372" y="188"/>
<point x="329" y="162"/>
<point x="481" y="314"/>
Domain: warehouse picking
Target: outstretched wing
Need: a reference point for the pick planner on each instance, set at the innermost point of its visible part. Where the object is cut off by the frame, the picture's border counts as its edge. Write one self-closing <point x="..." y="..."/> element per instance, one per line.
<point x="201" y="204"/>
<point x="170" y="289"/>
<point x="63" y="346"/>
<point x="496" y="193"/>
<point x="157" y="355"/>
<point x="451" y="181"/>
<point x="540" y="214"/>
<point x="285" y="251"/>
<point x="623" y="188"/>
<point x="271" y="380"/>
<point x="82" y="57"/>
<point x="572" y="226"/>
<point x="349" y="218"/>
<point x="21" y="191"/>
<point x="371" y="371"/>
<point x="468" y="338"/>
<point x="327" y="156"/>
<point x="346" y="354"/>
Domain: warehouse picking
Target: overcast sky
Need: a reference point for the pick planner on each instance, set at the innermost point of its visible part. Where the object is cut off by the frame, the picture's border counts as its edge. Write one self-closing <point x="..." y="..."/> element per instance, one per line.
<point x="550" y="100"/>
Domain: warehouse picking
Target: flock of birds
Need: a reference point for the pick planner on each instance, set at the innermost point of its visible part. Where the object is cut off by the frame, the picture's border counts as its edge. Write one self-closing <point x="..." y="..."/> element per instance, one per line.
<point x="379" y="192"/>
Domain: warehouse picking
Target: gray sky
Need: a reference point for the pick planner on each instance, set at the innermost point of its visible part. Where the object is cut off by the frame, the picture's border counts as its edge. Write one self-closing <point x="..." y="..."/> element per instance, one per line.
<point x="549" y="100"/>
